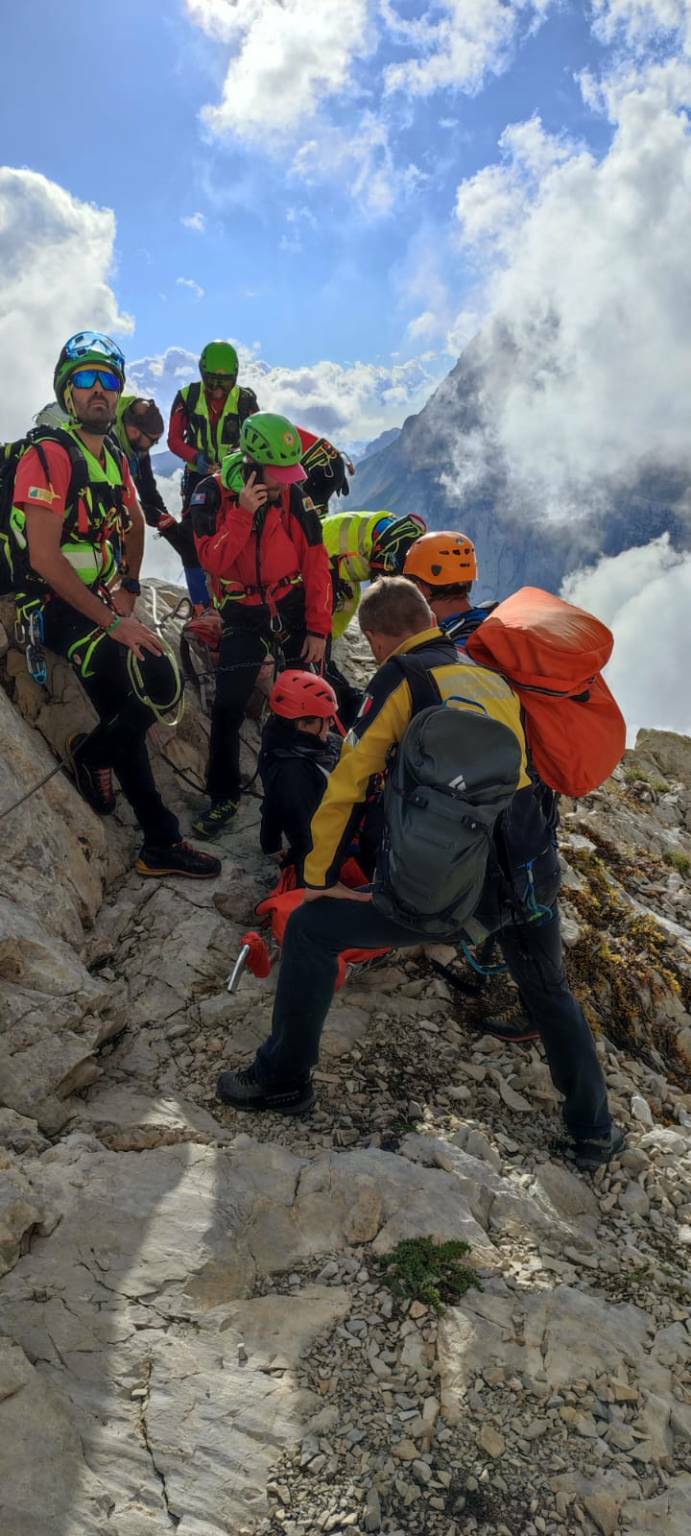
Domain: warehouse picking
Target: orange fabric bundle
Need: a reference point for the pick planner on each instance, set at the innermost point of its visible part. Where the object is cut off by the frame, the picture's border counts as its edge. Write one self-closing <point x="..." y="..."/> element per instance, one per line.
<point x="553" y="653"/>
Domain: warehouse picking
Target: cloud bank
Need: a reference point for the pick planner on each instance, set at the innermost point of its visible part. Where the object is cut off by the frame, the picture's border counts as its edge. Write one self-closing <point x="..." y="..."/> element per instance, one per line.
<point x="644" y="595"/>
<point x="56" y="266"/>
<point x="349" y="402"/>
<point x="585" y="293"/>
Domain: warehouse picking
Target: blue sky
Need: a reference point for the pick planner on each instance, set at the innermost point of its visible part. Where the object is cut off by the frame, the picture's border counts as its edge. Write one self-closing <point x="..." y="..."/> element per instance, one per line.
<point x="352" y="190"/>
<point x="113" y="115"/>
<point x="374" y="186"/>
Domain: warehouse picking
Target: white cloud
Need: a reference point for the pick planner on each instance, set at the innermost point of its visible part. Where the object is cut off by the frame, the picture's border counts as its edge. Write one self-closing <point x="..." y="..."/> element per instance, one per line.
<point x="584" y="293"/>
<point x="288" y="55"/>
<point x="56" y="259"/>
<point x="350" y="402"/>
<point x="640" y="23"/>
<point x="194" y="221"/>
<point x="364" y="159"/>
<point x="194" y="288"/>
<point x="644" y="595"/>
<point x="159" y="559"/>
<point x="470" y="40"/>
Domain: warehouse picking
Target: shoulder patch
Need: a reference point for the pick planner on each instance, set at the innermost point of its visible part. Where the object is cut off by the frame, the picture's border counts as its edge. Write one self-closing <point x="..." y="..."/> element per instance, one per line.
<point x="198" y="499"/>
<point x="308" y="503"/>
<point x="41" y="493"/>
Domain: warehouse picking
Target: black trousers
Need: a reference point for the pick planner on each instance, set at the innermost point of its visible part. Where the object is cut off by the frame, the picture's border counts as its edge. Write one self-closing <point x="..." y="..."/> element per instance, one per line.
<point x="119" y="742"/>
<point x="349" y="697"/>
<point x="319" y="930"/>
<point x="247" y="642"/>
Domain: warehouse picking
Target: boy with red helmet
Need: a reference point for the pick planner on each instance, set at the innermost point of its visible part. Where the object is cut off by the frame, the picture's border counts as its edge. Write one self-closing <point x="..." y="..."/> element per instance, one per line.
<point x="296" y="758"/>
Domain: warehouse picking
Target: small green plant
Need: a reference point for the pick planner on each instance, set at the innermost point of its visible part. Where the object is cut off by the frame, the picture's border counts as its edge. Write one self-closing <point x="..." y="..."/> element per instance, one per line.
<point x="639" y="776"/>
<point x="421" y="1270"/>
<point x="680" y="861"/>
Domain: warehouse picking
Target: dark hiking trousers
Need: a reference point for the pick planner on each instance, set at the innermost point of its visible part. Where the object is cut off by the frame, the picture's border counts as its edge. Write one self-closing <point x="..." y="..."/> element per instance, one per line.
<point x="245" y="646"/>
<point x="119" y="742"/>
<point x="349" y="697"/>
<point x="319" y="930"/>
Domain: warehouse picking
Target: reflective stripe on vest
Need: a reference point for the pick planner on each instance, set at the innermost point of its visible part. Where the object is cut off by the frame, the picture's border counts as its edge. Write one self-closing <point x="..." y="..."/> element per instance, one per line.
<point x="348" y="540"/>
<point x="211" y="440"/>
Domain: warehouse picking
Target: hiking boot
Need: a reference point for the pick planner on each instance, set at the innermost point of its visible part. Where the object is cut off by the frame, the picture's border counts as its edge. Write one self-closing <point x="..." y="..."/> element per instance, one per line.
<point x="512" y="1031"/>
<point x="216" y="819"/>
<point x="178" y="859"/>
<point x="95" y="785"/>
<point x="243" y="1090"/>
<point x="593" y="1152"/>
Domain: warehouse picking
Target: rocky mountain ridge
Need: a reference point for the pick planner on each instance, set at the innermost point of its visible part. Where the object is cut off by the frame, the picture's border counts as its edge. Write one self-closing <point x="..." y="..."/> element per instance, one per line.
<point x="197" y="1334"/>
<point x="448" y="463"/>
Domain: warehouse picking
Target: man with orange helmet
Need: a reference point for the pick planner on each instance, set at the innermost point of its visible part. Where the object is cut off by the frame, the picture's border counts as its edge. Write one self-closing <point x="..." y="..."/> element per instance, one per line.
<point x="444" y="567"/>
<point x="296" y="758"/>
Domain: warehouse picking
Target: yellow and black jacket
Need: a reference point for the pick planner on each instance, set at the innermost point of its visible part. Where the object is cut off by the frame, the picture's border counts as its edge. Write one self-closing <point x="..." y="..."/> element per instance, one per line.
<point x="386" y="712"/>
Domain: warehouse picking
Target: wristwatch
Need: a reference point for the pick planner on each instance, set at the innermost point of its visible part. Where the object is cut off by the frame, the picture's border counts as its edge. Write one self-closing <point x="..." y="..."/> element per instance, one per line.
<point x="130" y="584"/>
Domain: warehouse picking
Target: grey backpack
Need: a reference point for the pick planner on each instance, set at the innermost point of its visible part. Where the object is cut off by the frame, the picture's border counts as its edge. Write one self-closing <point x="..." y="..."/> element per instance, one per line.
<point x="454" y="773"/>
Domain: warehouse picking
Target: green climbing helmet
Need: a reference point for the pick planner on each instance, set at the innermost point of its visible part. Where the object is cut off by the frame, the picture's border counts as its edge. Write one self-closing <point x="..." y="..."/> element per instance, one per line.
<point x="232" y="472"/>
<point x="269" y="439"/>
<point x="275" y="442"/>
<point x="86" y="347"/>
<point x="218" y="357"/>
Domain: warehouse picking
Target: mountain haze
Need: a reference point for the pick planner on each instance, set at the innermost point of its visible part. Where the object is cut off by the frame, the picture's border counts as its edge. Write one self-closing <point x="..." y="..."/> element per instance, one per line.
<point x="449" y="463"/>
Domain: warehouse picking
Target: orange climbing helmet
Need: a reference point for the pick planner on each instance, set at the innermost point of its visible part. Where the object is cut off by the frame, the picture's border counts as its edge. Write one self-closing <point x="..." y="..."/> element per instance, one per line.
<point x="301" y="695"/>
<point x="442" y="560"/>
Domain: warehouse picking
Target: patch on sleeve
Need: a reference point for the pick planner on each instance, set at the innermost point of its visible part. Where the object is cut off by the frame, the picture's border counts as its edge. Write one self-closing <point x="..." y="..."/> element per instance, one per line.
<point x="198" y="499"/>
<point x="41" y="493"/>
<point x="308" y="503"/>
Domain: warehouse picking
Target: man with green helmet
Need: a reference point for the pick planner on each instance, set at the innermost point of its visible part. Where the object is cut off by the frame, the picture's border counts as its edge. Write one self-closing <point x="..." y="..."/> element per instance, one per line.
<point x="261" y="546"/>
<point x="78" y="527"/>
<point x="205" y="422"/>
<point x="206" y="418"/>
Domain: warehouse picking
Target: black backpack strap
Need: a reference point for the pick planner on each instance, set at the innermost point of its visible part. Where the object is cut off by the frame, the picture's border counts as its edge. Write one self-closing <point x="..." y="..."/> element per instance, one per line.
<point x="247" y="403"/>
<point x="192" y="398"/>
<point x="423" y="688"/>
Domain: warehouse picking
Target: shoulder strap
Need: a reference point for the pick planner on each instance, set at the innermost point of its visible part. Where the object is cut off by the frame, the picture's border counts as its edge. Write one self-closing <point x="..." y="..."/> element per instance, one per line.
<point x="191" y="394"/>
<point x="79" y="477"/>
<point x="423" y="687"/>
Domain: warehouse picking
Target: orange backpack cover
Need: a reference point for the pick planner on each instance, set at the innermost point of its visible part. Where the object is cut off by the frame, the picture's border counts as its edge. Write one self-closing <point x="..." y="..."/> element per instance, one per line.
<point x="552" y="654"/>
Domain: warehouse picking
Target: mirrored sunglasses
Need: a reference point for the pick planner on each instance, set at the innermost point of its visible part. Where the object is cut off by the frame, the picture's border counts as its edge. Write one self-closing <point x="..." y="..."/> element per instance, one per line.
<point x="85" y="378"/>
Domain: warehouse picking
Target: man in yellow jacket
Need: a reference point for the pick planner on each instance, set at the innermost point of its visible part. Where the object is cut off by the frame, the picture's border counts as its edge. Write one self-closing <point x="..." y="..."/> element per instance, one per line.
<point x="397" y="622"/>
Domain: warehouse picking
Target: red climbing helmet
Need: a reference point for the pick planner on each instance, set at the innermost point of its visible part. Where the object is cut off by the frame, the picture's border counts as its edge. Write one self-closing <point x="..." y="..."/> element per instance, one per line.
<point x="300" y="695"/>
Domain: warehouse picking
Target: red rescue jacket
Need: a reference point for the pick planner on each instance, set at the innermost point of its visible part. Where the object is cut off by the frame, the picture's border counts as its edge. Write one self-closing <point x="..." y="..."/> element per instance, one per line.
<point x="261" y="566"/>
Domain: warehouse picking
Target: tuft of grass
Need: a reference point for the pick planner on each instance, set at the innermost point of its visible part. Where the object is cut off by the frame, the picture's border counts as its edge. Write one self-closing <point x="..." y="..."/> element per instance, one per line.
<point x="639" y="776"/>
<point x="680" y="861"/>
<point x="419" y="1269"/>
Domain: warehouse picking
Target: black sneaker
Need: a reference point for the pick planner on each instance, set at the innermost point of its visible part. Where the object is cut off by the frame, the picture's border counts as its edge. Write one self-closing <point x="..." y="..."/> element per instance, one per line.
<point x="216" y="819"/>
<point x="513" y="1031"/>
<point x="243" y="1090"/>
<point x="593" y="1152"/>
<point x="178" y="859"/>
<point x="95" y="785"/>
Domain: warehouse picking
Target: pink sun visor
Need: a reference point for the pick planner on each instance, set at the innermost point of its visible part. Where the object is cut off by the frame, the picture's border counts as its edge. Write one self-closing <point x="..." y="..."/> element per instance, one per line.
<point x="287" y="474"/>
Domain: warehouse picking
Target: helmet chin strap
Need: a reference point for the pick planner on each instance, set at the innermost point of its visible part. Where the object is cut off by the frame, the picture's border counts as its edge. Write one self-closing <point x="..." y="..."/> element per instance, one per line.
<point x="96" y="429"/>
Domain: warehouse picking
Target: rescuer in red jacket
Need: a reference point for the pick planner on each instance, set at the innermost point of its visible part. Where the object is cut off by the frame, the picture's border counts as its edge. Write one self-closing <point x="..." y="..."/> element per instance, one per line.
<point x="260" y="542"/>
